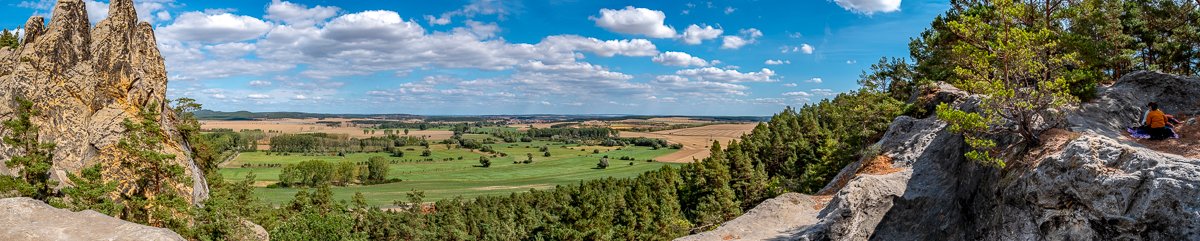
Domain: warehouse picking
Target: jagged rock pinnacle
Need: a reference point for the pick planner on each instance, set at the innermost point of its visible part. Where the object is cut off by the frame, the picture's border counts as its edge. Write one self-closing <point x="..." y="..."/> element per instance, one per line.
<point x="86" y="82"/>
<point x="34" y="28"/>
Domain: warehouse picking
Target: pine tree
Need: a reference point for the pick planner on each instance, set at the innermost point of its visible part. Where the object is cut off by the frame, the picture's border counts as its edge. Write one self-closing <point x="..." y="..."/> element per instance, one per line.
<point x="1019" y="67"/>
<point x="9" y="39"/>
<point x="749" y="181"/>
<point x="152" y="198"/>
<point x="716" y="201"/>
<point x="35" y="158"/>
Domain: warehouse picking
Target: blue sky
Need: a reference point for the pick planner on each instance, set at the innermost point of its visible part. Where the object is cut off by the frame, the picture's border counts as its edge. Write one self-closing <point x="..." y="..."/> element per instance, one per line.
<point x="518" y="57"/>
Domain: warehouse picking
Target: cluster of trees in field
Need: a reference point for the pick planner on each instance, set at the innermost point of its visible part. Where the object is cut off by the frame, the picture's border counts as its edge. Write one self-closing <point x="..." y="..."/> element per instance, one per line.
<point x="460" y="127"/>
<point x="317" y="173"/>
<point x="572" y="133"/>
<point x="335" y="143"/>
<point x="227" y="139"/>
<point x="653" y="143"/>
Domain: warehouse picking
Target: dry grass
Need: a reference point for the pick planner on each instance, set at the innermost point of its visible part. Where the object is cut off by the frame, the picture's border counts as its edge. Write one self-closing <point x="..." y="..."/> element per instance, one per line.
<point x="880" y="165"/>
<point x="696" y="141"/>
<point x="1053" y="141"/>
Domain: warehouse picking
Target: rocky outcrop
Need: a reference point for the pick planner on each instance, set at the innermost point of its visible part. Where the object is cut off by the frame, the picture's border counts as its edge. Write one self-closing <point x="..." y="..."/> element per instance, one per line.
<point x="85" y="82"/>
<point x="1086" y="182"/>
<point x="28" y="219"/>
<point x="779" y="217"/>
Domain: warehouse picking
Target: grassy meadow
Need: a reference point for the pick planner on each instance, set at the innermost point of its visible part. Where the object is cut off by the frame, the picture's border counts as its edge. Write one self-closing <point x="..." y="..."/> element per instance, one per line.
<point x="463" y="177"/>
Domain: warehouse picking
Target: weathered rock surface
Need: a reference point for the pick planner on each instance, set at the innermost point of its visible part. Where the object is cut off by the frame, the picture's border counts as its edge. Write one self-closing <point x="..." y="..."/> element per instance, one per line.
<point x="29" y="219"/>
<point x="85" y="82"/>
<point x="779" y="217"/>
<point x="1085" y="184"/>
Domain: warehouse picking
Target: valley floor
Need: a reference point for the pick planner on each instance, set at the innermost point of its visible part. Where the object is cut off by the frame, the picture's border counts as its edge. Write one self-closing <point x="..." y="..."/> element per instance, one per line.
<point x="447" y="176"/>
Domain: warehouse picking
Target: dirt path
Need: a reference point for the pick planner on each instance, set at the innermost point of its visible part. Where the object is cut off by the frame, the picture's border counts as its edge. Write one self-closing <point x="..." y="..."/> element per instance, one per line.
<point x="229" y="160"/>
<point x="696" y="141"/>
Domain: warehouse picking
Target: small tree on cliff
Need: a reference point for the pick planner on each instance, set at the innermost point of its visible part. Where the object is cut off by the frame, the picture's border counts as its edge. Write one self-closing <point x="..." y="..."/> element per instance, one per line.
<point x="151" y="198"/>
<point x="35" y="158"/>
<point x="1012" y="56"/>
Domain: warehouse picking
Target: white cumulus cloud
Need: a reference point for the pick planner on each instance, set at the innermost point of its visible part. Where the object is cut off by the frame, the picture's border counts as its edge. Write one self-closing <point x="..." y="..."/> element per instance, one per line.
<point x="869" y="7"/>
<point x="297" y="14"/>
<point x="696" y="34"/>
<point x="727" y="75"/>
<point x="797" y="93"/>
<point x="746" y="36"/>
<point x="214" y="28"/>
<point x="632" y="20"/>
<point x="260" y="83"/>
<point x="679" y="59"/>
<point x="777" y="62"/>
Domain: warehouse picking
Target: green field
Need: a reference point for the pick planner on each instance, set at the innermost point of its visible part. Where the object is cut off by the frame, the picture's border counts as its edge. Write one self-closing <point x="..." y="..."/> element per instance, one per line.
<point x="568" y="164"/>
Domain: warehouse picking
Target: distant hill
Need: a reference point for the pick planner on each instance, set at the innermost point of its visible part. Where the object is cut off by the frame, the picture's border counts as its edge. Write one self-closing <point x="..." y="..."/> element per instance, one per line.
<point x="246" y="115"/>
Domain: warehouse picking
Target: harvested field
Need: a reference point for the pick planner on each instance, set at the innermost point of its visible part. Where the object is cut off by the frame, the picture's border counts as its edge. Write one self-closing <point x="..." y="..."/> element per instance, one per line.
<point x="696" y="141"/>
<point x="292" y="126"/>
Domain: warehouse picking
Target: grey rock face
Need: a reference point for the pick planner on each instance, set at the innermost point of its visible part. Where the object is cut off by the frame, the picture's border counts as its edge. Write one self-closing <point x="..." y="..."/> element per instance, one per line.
<point x="779" y="217"/>
<point x="86" y="82"/>
<point x="1089" y="185"/>
<point x="1122" y="104"/>
<point x="28" y="219"/>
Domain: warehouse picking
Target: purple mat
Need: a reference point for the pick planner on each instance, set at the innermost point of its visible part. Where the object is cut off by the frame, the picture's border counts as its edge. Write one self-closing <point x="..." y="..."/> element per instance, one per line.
<point x="1138" y="133"/>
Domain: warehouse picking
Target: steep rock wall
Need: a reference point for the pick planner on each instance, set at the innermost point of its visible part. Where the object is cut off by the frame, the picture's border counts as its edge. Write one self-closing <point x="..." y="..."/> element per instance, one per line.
<point x="86" y="81"/>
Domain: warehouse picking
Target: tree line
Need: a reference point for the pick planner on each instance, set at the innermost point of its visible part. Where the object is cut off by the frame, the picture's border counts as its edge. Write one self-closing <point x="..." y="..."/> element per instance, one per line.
<point x="572" y="133"/>
<point x="330" y="143"/>
<point x="317" y="173"/>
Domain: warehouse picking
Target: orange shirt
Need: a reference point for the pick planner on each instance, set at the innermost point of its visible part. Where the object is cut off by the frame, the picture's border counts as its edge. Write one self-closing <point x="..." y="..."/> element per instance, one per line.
<point x="1156" y="119"/>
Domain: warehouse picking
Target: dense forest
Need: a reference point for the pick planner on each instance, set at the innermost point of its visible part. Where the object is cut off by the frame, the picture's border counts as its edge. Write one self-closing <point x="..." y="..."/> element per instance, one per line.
<point x="1048" y="53"/>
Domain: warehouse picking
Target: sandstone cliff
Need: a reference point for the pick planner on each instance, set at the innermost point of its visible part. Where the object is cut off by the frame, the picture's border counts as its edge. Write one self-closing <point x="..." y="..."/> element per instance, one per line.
<point x="28" y="219"/>
<point x="86" y="81"/>
<point x="1088" y="182"/>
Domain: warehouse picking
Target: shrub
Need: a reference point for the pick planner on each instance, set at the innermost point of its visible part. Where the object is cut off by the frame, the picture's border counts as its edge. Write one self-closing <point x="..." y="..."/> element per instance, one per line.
<point x="485" y="162"/>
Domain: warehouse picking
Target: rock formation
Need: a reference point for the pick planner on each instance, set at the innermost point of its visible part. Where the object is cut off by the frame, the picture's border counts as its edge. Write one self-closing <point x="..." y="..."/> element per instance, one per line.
<point x="28" y="219"/>
<point x="86" y="81"/>
<point x="1087" y="182"/>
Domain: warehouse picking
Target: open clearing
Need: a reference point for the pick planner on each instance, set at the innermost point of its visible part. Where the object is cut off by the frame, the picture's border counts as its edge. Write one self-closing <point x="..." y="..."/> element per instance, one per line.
<point x="568" y="164"/>
<point x="696" y="141"/>
<point x="292" y="126"/>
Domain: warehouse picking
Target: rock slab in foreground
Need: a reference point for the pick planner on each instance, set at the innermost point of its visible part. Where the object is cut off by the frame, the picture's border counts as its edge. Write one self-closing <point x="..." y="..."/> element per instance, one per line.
<point x="28" y="219"/>
<point x="775" y="218"/>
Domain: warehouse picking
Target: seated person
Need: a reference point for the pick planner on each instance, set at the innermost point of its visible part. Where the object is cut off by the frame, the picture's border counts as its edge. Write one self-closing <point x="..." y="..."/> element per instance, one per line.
<point x="1171" y="121"/>
<point x="1156" y="123"/>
